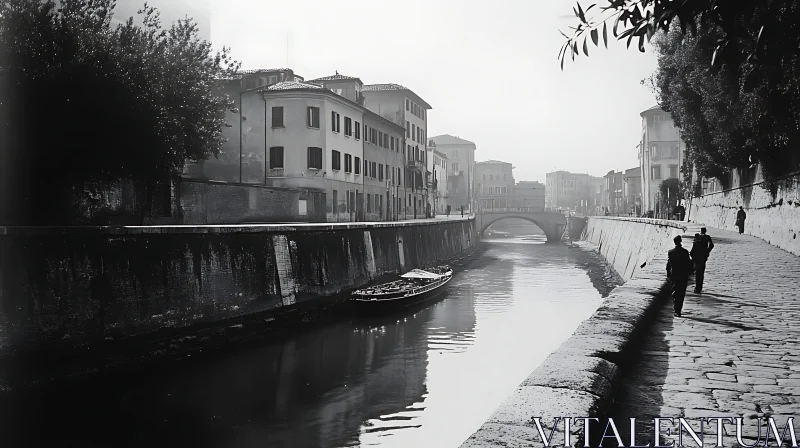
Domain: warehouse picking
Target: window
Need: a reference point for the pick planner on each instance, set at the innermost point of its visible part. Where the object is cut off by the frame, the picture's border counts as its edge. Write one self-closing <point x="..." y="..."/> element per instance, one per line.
<point x="366" y="134"/>
<point x="335" y="122"/>
<point x="419" y="135"/>
<point x="357" y="165"/>
<point x="348" y="126"/>
<point x="373" y="170"/>
<point x="391" y="143"/>
<point x="399" y="179"/>
<point x="673" y="171"/>
<point x="404" y="147"/>
<point x="315" y="158"/>
<point x="380" y="172"/>
<point x="313" y="117"/>
<point x="277" y="117"/>
<point x="407" y="103"/>
<point x="393" y="173"/>
<point x="380" y="138"/>
<point x="276" y="157"/>
<point x="413" y="132"/>
<point x="408" y="129"/>
<point x="336" y="160"/>
<point x="358" y="130"/>
<point x="348" y="163"/>
<point x="655" y="172"/>
<point x="366" y="166"/>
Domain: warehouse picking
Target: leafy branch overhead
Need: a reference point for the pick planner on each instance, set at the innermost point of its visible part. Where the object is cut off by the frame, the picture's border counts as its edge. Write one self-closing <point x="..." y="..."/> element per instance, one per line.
<point x="743" y="39"/>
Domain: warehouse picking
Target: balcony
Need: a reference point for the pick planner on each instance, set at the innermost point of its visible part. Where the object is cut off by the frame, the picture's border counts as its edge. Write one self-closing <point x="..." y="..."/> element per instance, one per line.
<point x="275" y="172"/>
<point x="415" y="165"/>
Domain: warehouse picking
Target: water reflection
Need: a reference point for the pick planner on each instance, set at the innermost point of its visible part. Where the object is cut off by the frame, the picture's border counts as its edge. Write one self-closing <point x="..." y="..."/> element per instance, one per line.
<point x="426" y="378"/>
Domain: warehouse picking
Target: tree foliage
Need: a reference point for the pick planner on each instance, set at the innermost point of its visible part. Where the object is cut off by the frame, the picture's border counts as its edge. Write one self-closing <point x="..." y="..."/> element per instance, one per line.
<point x="727" y="71"/>
<point x="726" y="124"/>
<point x="86" y="104"/>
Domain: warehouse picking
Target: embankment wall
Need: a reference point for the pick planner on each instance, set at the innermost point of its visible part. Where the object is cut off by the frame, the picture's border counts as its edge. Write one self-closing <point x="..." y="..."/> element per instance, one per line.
<point x="579" y="379"/>
<point x="776" y="219"/>
<point x="64" y="288"/>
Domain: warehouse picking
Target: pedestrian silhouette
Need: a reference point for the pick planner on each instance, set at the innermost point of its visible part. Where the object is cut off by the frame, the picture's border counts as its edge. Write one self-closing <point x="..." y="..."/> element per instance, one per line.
<point x="678" y="269"/>
<point x="740" y="217"/>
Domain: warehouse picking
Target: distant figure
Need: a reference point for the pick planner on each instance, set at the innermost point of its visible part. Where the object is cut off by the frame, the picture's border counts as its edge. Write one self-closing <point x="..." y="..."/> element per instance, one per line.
<point x="447" y="210"/>
<point x="678" y="269"/>
<point x="701" y="249"/>
<point x="740" y="217"/>
<point x="462" y="211"/>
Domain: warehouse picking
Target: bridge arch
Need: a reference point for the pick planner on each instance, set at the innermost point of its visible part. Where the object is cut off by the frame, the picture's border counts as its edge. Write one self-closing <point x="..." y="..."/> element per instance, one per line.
<point x="553" y="224"/>
<point x="493" y="219"/>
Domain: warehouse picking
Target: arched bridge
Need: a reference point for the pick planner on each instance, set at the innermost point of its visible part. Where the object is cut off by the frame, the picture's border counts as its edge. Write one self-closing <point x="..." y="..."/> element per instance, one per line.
<point x="552" y="223"/>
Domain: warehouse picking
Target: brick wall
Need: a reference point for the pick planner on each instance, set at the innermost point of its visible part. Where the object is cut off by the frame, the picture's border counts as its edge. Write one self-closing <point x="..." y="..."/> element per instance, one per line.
<point x="219" y="203"/>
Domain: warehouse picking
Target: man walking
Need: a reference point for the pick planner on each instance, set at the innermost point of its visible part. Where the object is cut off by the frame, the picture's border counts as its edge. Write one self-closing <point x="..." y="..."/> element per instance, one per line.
<point x="740" y="217"/>
<point x="701" y="249"/>
<point x="678" y="268"/>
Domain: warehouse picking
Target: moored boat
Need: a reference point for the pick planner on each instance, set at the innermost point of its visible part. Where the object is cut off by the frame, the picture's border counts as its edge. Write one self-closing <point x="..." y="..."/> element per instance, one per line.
<point x="411" y="288"/>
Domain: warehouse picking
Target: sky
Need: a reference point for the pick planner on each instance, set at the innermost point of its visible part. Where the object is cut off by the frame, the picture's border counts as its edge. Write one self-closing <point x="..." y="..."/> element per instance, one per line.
<point x="489" y="70"/>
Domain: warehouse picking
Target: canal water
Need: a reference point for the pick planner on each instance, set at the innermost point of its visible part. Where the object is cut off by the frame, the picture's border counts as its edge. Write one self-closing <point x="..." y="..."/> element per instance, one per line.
<point x="426" y="378"/>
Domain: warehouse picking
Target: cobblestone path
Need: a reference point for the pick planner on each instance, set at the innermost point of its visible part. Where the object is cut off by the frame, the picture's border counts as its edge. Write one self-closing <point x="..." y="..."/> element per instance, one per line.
<point x="735" y="352"/>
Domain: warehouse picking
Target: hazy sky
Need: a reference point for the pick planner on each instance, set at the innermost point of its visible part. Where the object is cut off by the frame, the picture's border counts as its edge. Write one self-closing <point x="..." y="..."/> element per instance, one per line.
<point x="488" y="69"/>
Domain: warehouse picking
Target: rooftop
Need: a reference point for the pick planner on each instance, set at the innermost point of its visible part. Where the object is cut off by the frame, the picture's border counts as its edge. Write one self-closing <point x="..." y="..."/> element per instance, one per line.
<point x="337" y="77"/>
<point x="653" y="109"/>
<point x="263" y="70"/>
<point x="447" y="139"/>
<point x="291" y="85"/>
<point x="494" y="162"/>
<point x="389" y="87"/>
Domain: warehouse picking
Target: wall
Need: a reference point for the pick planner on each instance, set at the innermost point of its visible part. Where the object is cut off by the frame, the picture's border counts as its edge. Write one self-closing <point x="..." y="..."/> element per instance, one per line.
<point x="393" y="165"/>
<point x="581" y="377"/>
<point x="215" y="203"/>
<point x="67" y="288"/>
<point x="775" y="220"/>
<point x="627" y="243"/>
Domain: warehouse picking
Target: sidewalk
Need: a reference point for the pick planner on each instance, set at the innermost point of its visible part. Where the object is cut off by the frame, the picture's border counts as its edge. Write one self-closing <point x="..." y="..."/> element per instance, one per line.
<point x="735" y="352"/>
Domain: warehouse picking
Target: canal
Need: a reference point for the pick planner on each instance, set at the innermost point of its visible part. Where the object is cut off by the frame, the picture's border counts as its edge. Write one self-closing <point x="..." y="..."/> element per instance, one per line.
<point x="427" y="378"/>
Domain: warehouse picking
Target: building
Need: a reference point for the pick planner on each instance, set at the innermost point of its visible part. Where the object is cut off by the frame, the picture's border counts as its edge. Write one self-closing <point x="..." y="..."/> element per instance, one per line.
<point x="402" y="106"/>
<point x="661" y="153"/>
<point x="494" y="182"/>
<point x="242" y="157"/>
<point x="613" y="199"/>
<point x="632" y="192"/>
<point x="461" y="179"/>
<point x="383" y="163"/>
<point x="440" y="167"/>
<point x="529" y="195"/>
<point x="572" y="191"/>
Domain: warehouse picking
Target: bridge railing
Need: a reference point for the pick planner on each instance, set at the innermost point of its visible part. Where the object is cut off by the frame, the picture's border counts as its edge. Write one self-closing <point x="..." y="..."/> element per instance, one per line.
<point x="512" y="210"/>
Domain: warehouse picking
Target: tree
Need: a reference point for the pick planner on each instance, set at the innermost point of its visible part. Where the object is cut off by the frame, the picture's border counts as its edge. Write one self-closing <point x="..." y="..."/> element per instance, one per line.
<point x="86" y="104"/>
<point x="728" y="73"/>
<point x="761" y="33"/>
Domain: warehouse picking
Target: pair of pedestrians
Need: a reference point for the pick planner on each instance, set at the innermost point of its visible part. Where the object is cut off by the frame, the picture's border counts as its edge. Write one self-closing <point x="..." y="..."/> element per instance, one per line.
<point x="680" y="263"/>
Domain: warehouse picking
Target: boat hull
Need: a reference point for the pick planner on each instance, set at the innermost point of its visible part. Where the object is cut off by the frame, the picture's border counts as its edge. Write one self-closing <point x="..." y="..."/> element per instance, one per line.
<point x="368" y="306"/>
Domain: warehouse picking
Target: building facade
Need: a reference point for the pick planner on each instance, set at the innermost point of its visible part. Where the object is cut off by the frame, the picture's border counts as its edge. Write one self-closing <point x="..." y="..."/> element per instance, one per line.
<point x="529" y="195"/>
<point x="494" y="182"/>
<point x="661" y="153"/>
<point x="632" y="191"/>
<point x="440" y="168"/>
<point x="613" y="199"/>
<point x="402" y="106"/>
<point x="575" y="192"/>
<point x="383" y="170"/>
<point x="461" y="178"/>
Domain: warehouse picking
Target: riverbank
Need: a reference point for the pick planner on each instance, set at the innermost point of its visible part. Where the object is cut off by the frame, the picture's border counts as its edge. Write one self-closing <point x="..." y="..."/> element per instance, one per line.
<point x="83" y="301"/>
<point x="583" y="376"/>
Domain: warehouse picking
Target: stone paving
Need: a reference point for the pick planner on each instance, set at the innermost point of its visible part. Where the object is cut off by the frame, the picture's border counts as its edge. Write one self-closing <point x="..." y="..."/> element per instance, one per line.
<point x="735" y="352"/>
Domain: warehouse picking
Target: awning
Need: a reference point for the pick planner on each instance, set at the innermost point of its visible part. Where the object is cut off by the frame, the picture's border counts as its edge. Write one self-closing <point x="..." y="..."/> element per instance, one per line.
<point x="419" y="273"/>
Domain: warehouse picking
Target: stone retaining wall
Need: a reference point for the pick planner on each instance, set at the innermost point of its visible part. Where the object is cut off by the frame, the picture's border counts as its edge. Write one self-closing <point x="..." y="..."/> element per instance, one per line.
<point x="579" y="379"/>
<point x="775" y="220"/>
<point x="71" y="288"/>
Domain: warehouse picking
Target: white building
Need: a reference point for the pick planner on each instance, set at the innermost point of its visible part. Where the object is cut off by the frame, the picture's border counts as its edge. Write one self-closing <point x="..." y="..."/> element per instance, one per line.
<point x="314" y="142"/>
<point x="404" y="107"/>
<point x="661" y="153"/>
<point x="439" y="166"/>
